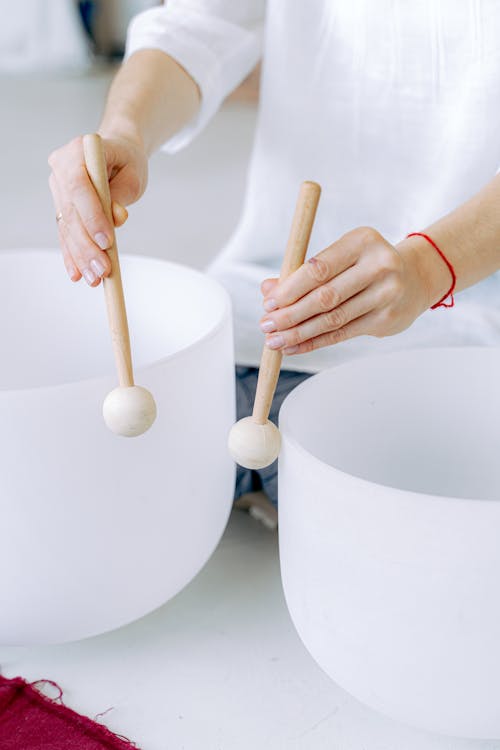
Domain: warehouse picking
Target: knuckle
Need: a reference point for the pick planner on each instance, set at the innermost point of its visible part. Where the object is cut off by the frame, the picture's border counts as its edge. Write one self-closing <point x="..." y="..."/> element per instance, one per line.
<point x="387" y="260"/>
<point x="293" y="337"/>
<point x="76" y="182"/>
<point x="57" y="154"/>
<point x="336" y="318"/>
<point x="86" y="253"/>
<point x="287" y="320"/>
<point x="384" y="323"/>
<point x="307" y="346"/>
<point x="68" y="212"/>
<point x="367" y="235"/>
<point x="382" y="296"/>
<point x="76" y="142"/>
<point x="93" y="220"/>
<point x="54" y="156"/>
<point x="318" y="269"/>
<point x="395" y="286"/>
<point x="327" y="298"/>
<point x="329" y="339"/>
<point x="335" y="337"/>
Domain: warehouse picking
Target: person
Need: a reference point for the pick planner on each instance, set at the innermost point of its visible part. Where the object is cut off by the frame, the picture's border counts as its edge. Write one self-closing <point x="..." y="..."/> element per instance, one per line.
<point x="393" y="107"/>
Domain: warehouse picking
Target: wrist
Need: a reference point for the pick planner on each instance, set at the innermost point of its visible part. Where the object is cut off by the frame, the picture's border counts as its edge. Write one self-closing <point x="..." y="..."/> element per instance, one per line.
<point x="431" y="273"/>
<point x="122" y="129"/>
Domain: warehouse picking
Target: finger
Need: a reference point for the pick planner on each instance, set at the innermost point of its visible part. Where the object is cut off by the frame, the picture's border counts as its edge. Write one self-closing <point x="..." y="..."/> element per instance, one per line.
<point x="75" y="187"/>
<point x="359" y="327"/>
<point x="71" y="269"/>
<point x="321" y="300"/>
<point x="339" y="317"/>
<point x="89" y="272"/>
<point x="267" y="285"/>
<point x="120" y="214"/>
<point x="125" y="186"/>
<point x="92" y="263"/>
<point x="127" y="171"/>
<point x="318" y="270"/>
<point x="89" y="209"/>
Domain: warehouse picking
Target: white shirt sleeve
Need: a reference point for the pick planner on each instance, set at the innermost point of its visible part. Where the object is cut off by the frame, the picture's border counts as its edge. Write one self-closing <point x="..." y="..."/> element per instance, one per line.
<point x="218" y="42"/>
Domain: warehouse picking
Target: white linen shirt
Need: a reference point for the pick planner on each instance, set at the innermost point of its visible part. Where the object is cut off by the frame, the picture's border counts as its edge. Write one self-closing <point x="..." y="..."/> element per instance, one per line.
<point x="392" y="106"/>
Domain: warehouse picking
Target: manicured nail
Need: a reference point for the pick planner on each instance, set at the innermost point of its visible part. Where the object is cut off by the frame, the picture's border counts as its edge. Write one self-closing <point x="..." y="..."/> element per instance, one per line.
<point x="102" y="240"/>
<point x="268" y="326"/>
<point x="275" y="342"/>
<point x="291" y="350"/>
<point x="270" y="305"/>
<point x="89" y="276"/>
<point x="72" y="273"/>
<point x="97" y="267"/>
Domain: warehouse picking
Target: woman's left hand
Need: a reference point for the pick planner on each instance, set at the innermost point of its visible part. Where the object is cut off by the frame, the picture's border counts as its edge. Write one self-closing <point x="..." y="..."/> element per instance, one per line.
<point x="359" y="285"/>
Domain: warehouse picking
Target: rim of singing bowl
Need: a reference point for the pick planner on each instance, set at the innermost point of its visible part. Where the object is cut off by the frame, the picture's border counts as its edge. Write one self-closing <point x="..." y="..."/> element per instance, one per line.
<point x="288" y="433"/>
<point x="210" y="333"/>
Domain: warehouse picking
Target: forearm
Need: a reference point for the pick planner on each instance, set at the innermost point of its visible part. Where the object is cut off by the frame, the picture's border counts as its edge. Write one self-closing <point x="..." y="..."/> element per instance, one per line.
<point x="469" y="237"/>
<point x="151" y="98"/>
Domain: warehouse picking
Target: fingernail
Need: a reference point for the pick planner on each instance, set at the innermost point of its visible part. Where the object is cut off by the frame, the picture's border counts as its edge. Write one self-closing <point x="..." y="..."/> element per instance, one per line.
<point x="275" y="342"/>
<point x="72" y="273"/>
<point x="89" y="276"/>
<point x="291" y="350"/>
<point x="270" y="305"/>
<point x="268" y="326"/>
<point x="102" y="240"/>
<point x="97" y="267"/>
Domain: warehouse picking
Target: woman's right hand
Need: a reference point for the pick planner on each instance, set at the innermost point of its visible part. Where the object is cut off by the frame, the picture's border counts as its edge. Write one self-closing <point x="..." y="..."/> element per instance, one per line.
<point x="84" y="231"/>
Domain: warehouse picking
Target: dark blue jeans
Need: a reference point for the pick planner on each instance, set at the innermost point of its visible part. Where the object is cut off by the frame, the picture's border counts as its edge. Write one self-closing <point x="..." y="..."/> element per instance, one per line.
<point x="248" y="480"/>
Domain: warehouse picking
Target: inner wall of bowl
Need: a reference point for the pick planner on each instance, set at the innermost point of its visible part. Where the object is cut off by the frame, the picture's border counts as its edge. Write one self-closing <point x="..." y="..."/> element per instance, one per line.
<point x="53" y="331"/>
<point x="426" y="421"/>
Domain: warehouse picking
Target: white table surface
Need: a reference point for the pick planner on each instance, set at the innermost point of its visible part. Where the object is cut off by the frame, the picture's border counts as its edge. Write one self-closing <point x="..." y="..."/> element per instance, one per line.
<point x="219" y="667"/>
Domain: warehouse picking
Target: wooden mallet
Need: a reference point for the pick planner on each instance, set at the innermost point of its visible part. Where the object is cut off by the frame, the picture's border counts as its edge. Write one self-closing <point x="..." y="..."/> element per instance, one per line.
<point x="254" y="442"/>
<point x="128" y="410"/>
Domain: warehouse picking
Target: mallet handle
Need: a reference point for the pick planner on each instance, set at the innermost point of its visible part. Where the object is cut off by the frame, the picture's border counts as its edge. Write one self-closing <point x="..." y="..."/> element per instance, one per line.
<point x="95" y="163"/>
<point x="295" y="253"/>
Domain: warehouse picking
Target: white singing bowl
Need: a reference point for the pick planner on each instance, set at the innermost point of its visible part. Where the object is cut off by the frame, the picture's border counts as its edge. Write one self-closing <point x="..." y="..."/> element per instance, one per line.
<point x="389" y="518"/>
<point x="97" y="530"/>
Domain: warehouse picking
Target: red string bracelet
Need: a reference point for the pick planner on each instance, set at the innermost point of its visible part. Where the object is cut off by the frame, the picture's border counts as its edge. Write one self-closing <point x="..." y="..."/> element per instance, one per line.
<point x="450" y="291"/>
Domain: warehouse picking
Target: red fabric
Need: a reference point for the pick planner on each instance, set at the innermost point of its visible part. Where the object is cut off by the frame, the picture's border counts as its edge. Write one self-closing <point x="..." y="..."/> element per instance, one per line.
<point x="31" y="721"/>
<point x="442" y="302"/>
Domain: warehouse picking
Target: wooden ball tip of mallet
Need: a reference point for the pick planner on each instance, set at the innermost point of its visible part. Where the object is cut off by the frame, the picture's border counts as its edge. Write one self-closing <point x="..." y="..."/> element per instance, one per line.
<point x="254" y="442"/>
<point x="128" y="410"/>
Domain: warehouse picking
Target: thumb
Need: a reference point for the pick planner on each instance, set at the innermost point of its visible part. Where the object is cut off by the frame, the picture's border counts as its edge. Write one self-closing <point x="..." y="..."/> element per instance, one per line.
<point x="126" y="186"/>
<point x="120" y="214"/>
